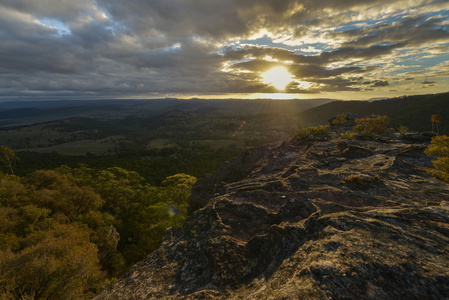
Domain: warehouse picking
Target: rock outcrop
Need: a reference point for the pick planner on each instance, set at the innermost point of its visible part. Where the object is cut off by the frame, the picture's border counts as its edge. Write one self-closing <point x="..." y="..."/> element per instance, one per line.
<point x="310" y="219"/>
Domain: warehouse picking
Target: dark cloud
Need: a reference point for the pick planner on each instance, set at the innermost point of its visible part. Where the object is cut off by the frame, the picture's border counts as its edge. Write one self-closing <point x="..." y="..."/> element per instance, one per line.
<point x="410" y="32"/>
<point x="378" y="83"/>
<point x="139" y="47"/>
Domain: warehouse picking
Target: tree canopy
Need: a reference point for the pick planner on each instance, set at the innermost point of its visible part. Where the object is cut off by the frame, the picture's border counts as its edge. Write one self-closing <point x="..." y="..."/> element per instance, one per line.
<point x="65" y="233"/>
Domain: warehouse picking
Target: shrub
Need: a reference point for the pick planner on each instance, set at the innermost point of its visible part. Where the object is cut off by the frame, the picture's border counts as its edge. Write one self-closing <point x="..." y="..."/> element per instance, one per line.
<point x="372" y="126"/>
<point x="440" y="148"/>
<point x="402" y="130"/>
<point x="303" y="133"/>
<point x="348" y="135"/>
<point x="339" y="119"/>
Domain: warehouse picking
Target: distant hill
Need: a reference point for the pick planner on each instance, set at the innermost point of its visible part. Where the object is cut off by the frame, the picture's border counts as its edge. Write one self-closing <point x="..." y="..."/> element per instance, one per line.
<point x="411" y="111"/>
<point x="23" y="113"/>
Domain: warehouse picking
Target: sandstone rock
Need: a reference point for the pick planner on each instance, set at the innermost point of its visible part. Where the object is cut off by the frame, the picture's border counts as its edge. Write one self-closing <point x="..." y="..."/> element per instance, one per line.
<point x="280" y="222"/>
<point x="416" y="137"/>
<point x="348" y="124"/>
<point x="430" y="134"/>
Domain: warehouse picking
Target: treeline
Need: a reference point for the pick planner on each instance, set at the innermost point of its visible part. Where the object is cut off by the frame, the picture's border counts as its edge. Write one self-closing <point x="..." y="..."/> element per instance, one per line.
<point x="67" y="233"/>
<point x="154" y="164"/>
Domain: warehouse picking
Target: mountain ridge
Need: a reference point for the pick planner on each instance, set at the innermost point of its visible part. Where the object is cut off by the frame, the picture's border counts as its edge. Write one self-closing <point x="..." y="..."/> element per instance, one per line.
<point x="412" y="111"/>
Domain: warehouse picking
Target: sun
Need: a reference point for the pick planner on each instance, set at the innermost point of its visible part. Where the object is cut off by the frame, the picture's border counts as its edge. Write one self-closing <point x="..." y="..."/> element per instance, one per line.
<point x="278" y="77"/>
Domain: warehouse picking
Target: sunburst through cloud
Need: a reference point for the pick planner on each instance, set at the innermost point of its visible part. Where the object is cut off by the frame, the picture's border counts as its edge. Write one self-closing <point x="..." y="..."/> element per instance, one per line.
<point x="278" y="77"/>
<point x="222" y="49"/>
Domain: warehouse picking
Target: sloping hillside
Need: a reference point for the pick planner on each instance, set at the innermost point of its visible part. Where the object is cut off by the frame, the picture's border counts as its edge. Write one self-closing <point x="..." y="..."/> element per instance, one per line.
<point x="411" y="111"/>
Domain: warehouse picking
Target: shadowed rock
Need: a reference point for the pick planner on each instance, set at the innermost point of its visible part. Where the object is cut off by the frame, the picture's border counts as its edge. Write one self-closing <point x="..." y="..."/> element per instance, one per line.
<point x="307" y="220"/>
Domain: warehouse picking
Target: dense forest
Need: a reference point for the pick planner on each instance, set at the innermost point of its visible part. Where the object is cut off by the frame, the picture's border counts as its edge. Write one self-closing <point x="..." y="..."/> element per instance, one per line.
<point x="68" y="232"/>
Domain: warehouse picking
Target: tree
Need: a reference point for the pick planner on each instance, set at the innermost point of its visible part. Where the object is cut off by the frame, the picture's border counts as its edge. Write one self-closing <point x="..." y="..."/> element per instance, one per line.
<point x="61" y="263"/>
<point x="139" y="212"/>
<point x="12" y="192"/>
<point x="435" y="119"/>
<point x="57" y="192"/>
<point x="372" y="126"/>
<point x="178" y="188"/>
<point x="8" y="157"/>
<point x="440" y="148"/>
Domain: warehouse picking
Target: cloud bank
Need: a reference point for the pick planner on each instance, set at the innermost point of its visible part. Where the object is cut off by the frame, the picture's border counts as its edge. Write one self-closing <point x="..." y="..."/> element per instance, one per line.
<point x="151" y="48"/>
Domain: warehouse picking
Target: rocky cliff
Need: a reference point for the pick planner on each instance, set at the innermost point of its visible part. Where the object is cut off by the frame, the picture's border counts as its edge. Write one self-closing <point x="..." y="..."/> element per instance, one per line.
<point x="317" y="218"/>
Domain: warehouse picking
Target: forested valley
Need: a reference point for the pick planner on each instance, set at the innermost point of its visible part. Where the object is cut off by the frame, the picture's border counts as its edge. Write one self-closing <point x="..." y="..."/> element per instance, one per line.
<point x="84" y="198"/>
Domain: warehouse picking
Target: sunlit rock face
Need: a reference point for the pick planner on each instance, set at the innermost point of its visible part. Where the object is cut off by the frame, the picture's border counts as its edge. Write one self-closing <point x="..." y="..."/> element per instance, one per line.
<point x="319" y="218"/>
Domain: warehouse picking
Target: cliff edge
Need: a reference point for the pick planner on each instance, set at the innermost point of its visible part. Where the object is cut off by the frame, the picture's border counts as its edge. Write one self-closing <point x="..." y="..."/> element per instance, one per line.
<point x="318" y="218"/>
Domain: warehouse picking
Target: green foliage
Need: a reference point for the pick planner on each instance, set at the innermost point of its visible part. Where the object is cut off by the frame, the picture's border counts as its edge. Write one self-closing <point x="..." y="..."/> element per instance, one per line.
<point x="402" y="130"/>
<point x="348" y="135"/>
<point x="72" y="228"/>
<point x="339" y="119"/>
<point x="303" y="133"/>
<point x="46" y="250"/>
<point x="141" y="212"/>
<point x="13" y="193"/>
<point x="177" y="188"/>
<point x="440" y="148"/>
<point x="371" y="126"/>
<point x="8" y="157"/>
<point x="154" y="165"/>
<point x="31" y="209"/>
<point x="60" y="264"/>
<point x="56" y="191"/>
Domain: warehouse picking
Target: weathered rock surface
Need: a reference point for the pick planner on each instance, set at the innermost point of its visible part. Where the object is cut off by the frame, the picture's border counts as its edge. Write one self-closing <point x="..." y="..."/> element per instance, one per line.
<point x="308" y="219"/>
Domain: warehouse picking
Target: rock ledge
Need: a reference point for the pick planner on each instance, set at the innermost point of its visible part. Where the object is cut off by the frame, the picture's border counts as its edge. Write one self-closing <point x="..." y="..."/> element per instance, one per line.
<point x="307" y="219"/>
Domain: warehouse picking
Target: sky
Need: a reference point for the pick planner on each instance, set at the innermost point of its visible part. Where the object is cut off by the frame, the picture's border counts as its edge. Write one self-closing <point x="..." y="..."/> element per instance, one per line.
<point x="341" y="49"/>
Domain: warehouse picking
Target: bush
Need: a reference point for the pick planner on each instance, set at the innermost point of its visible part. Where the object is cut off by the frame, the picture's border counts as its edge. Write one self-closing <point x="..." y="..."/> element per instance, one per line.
<point x="372" y="126"/>
<point x="440" y="148"/>
<point x="402" y="130"/>
<point x="348" y="135"/>
<point x="339" y="119"/>
<point x="303" y="133"/>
